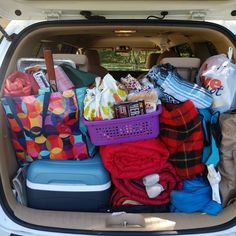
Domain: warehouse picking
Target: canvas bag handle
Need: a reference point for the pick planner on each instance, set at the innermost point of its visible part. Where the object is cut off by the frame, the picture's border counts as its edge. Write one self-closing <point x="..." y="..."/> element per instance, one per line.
<point x="50" y="69"/>
<point x="46" y="101"/>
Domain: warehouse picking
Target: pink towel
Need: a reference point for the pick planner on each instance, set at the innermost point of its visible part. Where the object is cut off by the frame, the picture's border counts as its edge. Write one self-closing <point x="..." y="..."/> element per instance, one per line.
<point x="20" y="84"/>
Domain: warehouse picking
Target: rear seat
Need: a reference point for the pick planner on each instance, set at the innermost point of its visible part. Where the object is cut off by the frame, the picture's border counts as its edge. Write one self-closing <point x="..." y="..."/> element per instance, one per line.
<point x="187" y="67"/>
<point x="81" y="61"/>
<point x="151" y="60"/>
<point x="94" y="64"/>
<point x="166" y="54"/>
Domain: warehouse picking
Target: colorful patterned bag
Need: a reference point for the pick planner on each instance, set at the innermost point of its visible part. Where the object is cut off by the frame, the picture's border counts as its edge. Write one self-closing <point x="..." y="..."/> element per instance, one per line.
<point x="46" y="126"/>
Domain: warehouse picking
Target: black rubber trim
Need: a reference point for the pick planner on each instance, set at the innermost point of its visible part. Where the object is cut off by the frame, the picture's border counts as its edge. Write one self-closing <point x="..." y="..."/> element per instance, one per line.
<point x="174" y="23"/>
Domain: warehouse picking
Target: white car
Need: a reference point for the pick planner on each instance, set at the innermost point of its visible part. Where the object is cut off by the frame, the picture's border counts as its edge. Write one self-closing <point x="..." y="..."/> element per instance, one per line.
<point x="121" y="28"/>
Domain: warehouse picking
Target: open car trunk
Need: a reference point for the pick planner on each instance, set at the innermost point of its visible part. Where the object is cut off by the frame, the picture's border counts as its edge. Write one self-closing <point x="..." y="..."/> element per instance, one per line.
<point x="86" y="34"/>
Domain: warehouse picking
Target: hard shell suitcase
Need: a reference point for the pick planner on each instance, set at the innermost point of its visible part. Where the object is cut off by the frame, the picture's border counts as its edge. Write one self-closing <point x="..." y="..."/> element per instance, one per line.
<point x="68" y="185"/>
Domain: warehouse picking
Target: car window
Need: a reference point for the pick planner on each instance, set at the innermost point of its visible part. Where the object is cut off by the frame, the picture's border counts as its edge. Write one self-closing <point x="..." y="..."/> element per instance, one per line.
<point x="134" y="60"/>
<point x="184" y="50"/>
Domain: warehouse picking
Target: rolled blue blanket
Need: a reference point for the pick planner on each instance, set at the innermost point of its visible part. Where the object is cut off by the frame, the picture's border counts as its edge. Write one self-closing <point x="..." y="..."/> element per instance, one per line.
<point x="174" y="89"/>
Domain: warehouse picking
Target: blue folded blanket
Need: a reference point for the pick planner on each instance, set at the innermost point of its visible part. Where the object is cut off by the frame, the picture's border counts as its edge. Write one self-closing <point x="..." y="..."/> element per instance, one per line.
<point x="196" y="196"/>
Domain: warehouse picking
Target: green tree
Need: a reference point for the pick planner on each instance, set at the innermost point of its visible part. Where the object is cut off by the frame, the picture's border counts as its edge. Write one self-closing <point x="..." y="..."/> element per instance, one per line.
<point x="133" y="60"/>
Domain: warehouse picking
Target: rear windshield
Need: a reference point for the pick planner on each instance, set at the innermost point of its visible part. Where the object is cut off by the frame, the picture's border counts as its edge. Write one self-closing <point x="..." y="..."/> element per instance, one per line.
<point x="133" y="60"/>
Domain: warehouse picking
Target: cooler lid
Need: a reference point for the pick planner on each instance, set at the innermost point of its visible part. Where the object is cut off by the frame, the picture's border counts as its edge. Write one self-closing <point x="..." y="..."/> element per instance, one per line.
<point x="90" y="172"/>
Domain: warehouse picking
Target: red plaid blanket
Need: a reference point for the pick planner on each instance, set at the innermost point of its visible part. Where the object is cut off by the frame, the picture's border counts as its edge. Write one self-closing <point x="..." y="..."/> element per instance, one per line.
<point x="181" y="132"/>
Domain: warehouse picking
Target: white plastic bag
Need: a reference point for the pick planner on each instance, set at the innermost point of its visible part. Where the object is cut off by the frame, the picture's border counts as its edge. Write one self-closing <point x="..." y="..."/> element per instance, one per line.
<point x="218" y="75"/>
<point x="99" y="101"/>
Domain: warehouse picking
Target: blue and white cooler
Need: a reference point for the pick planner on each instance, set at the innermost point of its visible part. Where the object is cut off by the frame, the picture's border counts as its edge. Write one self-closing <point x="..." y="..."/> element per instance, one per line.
<point x="68" y="185"/>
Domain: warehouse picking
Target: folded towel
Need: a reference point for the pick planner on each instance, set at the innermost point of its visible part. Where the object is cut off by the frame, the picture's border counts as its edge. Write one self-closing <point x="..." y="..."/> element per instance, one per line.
<point x="20" y="84"/>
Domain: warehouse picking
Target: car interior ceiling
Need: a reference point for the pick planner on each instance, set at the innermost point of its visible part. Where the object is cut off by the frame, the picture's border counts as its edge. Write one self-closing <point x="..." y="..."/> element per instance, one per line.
<point x="71" y="39"/>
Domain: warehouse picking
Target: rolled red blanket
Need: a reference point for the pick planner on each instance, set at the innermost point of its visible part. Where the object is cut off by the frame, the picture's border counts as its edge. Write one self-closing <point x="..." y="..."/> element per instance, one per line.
<point x="134" y="189"/>
<point x="135" y="159"/>
<point x="20" y="84"/>
<point x="119" y="199"/>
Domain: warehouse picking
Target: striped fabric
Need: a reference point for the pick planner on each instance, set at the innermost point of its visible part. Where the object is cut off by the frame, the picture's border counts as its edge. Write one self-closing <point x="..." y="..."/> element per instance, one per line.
<point x="174" y="89"/>
<point x="181" y="132"/>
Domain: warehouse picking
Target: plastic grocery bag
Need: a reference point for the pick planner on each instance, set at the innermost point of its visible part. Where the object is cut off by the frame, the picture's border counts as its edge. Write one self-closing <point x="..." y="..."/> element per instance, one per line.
<point x="99" y="101"/>
<point x="218" y="75"/>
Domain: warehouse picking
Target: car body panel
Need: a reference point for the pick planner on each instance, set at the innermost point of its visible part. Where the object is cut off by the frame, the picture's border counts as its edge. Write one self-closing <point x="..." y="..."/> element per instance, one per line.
<point x="42" y="10"/>
<point x="178" y="9"/>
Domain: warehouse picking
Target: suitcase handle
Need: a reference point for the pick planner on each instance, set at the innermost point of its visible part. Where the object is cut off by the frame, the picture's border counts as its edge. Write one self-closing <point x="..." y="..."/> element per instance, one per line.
<point x="125" y="220"/>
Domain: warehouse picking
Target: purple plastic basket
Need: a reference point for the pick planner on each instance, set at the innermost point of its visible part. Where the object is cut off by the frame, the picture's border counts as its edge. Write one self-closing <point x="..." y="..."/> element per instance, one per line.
<point x="125" y="129"/>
